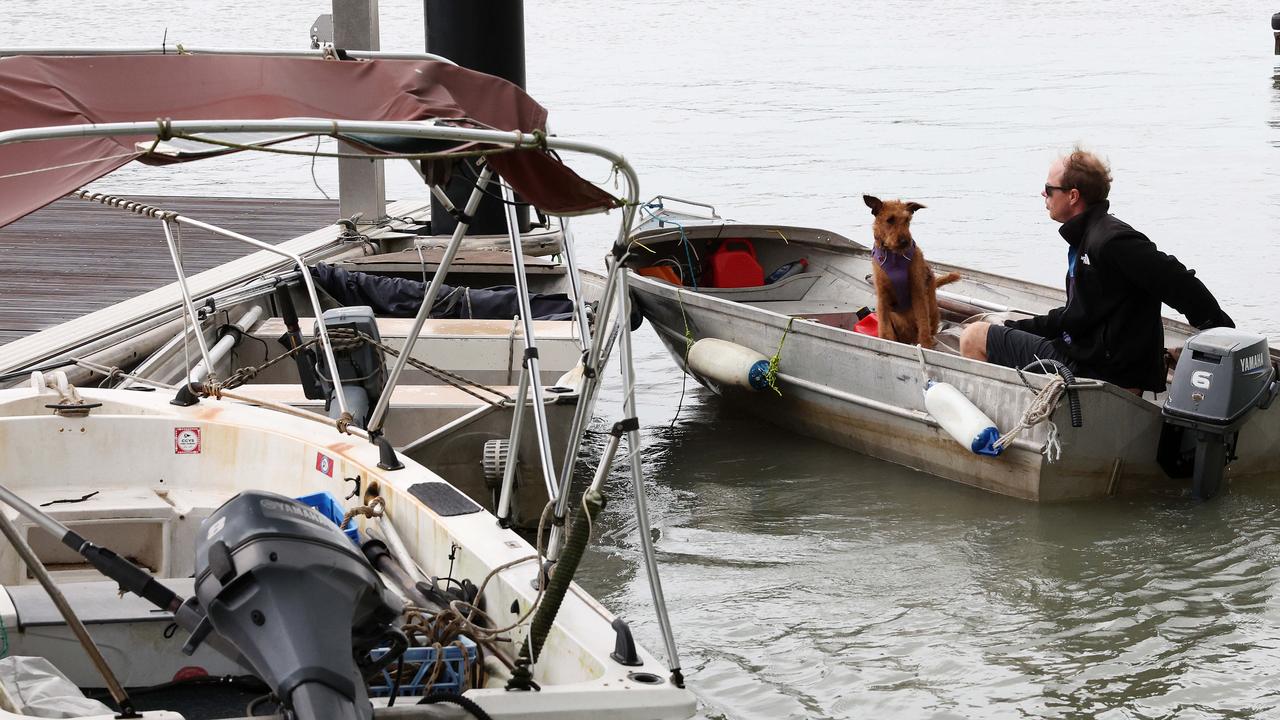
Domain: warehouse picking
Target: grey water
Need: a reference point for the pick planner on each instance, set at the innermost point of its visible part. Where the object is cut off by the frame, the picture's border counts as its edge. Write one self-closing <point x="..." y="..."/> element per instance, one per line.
<point x="805" y="581"/>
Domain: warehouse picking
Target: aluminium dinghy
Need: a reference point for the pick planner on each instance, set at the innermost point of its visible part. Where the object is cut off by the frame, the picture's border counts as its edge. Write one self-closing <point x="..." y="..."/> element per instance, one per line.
<point x="802" y="352"/>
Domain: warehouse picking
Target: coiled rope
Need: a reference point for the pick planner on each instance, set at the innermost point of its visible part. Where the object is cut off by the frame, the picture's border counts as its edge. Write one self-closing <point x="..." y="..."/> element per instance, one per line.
<point x="1043" y="406"/>
<point x="1040" y="410"/>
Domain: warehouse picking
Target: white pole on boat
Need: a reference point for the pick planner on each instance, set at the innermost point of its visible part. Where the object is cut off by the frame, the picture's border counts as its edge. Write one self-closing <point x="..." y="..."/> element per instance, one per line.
<point x="637" y="479"/>
<point x="306" y="281"/>
<point x="225" y="343"/>
<point x="186" y="292"/>
<point x="379" y="413"/>
<point x="593" y="363"/>
<point x="595" y="358"/>
<point x="530" y="348"/>
<point x="575" y="285"/>
<point x="513" y="449"/>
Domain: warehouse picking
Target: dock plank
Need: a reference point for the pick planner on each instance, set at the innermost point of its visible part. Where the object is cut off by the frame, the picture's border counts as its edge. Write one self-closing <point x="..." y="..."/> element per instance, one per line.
<point x="74" y="257"/>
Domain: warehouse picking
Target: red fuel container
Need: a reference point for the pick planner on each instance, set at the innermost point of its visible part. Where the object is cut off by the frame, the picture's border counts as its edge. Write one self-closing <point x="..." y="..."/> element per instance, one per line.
<point x="868" y="325"/>
<point x="734" y="265"/>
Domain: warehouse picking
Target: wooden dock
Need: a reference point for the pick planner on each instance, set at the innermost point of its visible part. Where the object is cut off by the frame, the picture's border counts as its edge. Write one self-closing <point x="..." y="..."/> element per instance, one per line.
<point x="74" y="256"/>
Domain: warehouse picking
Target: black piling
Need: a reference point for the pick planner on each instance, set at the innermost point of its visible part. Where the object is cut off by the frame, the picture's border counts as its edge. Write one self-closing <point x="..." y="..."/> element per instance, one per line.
<point x="489" y="37"/>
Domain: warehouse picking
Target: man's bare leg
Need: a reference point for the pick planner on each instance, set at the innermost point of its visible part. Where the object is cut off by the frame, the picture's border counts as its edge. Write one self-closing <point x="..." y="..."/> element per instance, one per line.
<point x="973" y="341"/>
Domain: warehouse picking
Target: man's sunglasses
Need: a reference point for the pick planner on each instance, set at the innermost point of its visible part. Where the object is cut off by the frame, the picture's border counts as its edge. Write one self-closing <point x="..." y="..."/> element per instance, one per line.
<point x="1048" y="189"/>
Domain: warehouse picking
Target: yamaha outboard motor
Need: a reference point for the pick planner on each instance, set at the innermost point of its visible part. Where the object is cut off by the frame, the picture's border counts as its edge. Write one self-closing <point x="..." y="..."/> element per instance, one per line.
<point x="360" y="364"/>
<point x="283" y="584"/>
<point x="1222" y="376"/>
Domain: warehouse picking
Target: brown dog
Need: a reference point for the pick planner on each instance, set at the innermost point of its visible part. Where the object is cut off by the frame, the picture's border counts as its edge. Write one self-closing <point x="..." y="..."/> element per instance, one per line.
<point x="906" y="288"/>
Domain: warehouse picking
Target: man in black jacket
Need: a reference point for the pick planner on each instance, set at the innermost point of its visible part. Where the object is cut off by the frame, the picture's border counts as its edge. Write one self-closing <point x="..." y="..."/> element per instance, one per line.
<point x="1110" y="328"/>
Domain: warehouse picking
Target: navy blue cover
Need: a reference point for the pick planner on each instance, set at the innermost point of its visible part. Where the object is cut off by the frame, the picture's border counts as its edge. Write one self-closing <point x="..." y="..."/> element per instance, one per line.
<point x="401" y="297"/>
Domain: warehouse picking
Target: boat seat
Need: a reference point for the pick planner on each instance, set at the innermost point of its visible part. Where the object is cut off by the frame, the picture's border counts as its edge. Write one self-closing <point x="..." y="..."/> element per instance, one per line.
<point x="786" y="289"/>
<point x="95" y="602"/>
<point x="64" y="503"/>
<point x="135" y="522"/>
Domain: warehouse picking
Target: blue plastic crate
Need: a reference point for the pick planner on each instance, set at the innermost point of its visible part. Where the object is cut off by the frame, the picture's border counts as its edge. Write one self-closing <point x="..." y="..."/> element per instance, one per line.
<point x="413" y="682"/>
<point x="327" y="505"/>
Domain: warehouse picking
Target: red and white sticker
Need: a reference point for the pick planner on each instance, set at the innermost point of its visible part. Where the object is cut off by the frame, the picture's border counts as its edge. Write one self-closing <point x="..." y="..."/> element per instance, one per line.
<point x="186" y="441"/>
<point x="324" y="464"/>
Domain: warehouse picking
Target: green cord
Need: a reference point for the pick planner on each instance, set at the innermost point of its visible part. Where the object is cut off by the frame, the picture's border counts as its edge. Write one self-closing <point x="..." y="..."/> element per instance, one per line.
<point x="771" y="376"/>
<point x="688" y="334"/>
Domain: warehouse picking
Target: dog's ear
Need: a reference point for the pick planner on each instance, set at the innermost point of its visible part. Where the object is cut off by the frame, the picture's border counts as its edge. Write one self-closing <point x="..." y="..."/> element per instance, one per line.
<point x="873" y="203"/>
<point x="912" y="207"/>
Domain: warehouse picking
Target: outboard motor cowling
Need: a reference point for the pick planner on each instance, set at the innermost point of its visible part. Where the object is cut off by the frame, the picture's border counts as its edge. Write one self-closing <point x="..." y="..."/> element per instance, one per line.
<point x="283" y="584"/>
<point x="1223" y="375"/>
<point x="360" y="364"/>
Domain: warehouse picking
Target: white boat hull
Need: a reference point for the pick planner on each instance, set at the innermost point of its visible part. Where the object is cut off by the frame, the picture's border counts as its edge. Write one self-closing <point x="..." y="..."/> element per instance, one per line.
<point x="149" y="486"/>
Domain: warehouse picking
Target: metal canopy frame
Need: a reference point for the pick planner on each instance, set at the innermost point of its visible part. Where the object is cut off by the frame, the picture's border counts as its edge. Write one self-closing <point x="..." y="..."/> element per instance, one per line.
<point x="180" y="49"/>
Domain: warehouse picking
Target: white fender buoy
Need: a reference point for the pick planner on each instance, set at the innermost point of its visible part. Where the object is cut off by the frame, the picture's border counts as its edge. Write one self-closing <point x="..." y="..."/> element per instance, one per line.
<point x="961" y="418"/>
<point x="727" y="363"/>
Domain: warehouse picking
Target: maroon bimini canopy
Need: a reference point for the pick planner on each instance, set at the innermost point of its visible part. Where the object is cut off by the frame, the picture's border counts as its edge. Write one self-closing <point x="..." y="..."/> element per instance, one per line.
<point x="51" y="91"/>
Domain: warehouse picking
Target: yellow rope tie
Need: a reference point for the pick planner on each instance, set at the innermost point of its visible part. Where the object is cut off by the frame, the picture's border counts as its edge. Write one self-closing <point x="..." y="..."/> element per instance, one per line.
<point x="771" y="376"/>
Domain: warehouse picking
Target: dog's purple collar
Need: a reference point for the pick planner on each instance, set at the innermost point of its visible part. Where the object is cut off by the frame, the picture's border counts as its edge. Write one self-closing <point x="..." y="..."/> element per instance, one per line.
<point x="896" y="265"/>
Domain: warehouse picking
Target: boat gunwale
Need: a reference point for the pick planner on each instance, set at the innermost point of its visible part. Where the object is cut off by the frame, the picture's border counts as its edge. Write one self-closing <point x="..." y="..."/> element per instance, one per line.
<point x="852" y="248"/>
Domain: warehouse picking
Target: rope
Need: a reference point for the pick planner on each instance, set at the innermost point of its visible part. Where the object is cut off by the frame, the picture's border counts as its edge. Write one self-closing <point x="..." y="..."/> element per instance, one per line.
<point x="113" y="373"/>
<point x="689" y="253"/>
<point x="245" y="374"/>
<point x="375" y="509"/>
<point x="771" y="376"/>
<point x="449" y="378"/>
<point x="924" y="369"/>
<point x="220" y="392"/>
<point x="439" y="155"/>
<point x="67" y="393"/>
<point x="347" y="339"/>
<point x="1041" y="408"/>
<point x="64" y="166"/>
<point x="688" y="344"/>
<point x="472" y="611"/>
<point x="132" y="206"/>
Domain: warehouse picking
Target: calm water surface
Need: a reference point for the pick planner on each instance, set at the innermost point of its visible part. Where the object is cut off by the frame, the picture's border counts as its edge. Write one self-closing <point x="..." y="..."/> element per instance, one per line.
<point x="805" y="581"/>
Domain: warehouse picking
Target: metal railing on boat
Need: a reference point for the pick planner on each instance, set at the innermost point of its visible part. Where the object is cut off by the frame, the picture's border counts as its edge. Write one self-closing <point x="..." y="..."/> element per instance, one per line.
<point x="180" y="49"/>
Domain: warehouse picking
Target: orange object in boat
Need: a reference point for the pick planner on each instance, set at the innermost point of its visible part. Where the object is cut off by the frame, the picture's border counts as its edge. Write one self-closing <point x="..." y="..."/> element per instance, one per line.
<point x="664" y="273"/>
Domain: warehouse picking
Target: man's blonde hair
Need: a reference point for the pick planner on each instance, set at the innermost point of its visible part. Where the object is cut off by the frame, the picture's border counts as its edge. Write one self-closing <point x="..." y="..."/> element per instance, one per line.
<point x="1087" y="173"/>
